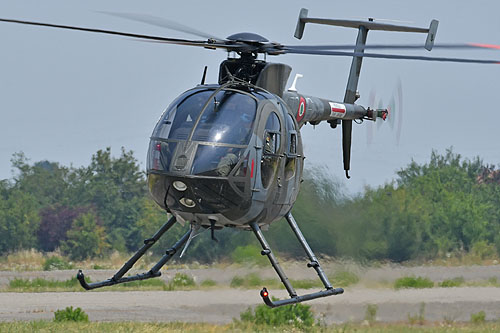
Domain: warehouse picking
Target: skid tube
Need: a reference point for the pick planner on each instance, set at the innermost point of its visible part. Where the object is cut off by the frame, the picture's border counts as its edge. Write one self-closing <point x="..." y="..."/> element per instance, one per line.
<point x="297" y="299"/>
<point x="153" y="272"/>
<point x="314" y="263"/>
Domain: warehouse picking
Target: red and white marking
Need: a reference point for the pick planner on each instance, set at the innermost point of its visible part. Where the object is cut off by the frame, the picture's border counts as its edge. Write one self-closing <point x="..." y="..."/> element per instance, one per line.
<point x="337" y="110"/>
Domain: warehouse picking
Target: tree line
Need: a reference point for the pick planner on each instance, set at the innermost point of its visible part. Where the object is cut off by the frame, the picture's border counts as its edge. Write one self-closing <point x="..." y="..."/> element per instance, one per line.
<point x="447" y="205"/>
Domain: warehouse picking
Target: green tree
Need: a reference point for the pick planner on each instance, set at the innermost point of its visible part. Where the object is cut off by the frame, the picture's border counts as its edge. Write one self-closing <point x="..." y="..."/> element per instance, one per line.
<point x="18" y="220"/>
<point x="395" y="224"/>
<point x="447" y="204"/>
<point x="48" y="182"/>
<point x="85" y="239"/>
<point x="457" y="212"/>
<point x="115" y="187"/>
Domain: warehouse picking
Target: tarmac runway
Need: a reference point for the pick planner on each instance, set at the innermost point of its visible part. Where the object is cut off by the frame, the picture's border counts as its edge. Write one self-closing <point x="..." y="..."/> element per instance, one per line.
<point x="222" y="305"/>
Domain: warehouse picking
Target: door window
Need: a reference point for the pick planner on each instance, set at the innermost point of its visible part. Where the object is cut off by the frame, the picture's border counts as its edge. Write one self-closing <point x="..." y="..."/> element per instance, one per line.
<point x="272" y="142"/>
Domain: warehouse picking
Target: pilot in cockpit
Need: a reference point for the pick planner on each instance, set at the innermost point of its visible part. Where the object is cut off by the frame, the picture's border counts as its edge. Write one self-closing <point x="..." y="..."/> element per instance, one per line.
<point x="239" y="132"/>
<point x="227" y="163"/>
<point x="269" y="144"/>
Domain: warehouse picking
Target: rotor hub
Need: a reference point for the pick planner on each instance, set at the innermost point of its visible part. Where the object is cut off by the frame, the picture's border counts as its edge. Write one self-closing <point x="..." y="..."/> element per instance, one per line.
<point x="247" y="37"/>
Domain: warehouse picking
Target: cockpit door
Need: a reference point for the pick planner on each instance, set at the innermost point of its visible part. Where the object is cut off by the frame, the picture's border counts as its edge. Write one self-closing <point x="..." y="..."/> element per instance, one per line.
<point x="270" y="149"/>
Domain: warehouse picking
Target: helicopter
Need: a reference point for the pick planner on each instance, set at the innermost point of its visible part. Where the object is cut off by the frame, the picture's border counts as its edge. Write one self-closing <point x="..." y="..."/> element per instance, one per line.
<point x="230" y="154"/>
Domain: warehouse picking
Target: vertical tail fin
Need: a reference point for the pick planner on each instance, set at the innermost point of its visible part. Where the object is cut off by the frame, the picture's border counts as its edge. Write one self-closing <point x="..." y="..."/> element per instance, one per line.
<point x="352" y="83"/>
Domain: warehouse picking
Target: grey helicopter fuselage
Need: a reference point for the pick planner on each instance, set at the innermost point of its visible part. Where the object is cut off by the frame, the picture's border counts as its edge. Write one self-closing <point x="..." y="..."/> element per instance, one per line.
<point x="228" y="154"/>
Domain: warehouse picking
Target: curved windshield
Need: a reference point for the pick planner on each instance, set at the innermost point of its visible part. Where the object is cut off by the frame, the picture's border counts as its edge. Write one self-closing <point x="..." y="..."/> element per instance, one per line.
<point x="180" y="118"/>
<point x="227" y="118"/>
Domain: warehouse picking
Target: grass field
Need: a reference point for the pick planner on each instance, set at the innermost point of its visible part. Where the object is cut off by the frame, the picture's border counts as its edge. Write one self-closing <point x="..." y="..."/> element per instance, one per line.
<point x="47" y="326"/>
<point x="33" y="260"/>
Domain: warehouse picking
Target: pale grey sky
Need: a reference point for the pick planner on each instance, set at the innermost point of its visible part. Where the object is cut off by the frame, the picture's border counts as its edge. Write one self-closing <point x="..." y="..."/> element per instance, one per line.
<point x="66" y="94"/>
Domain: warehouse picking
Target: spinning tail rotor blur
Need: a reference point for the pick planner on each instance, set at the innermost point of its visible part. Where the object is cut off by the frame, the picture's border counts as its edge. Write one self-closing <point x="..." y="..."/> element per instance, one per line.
<point x="394" y="116"/>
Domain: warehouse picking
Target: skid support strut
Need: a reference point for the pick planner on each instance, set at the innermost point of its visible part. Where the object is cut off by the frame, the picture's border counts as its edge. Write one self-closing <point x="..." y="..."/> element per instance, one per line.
<point x="153" y="272"/>
<point x="267" y="252"/>
<point x="314" y="263"/>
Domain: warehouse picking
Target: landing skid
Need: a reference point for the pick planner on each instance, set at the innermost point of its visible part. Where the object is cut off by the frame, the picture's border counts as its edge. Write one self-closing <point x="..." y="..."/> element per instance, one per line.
<point x="314" y="263"/>
<point x="153" y="272"/>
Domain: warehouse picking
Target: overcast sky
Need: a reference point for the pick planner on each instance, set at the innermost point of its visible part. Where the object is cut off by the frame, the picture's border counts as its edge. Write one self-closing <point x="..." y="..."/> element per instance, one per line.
<point x="66" y="94"/>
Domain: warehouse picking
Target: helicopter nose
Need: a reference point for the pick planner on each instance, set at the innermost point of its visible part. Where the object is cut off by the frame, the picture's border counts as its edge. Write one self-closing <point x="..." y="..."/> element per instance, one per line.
<point x="202" y="195"/>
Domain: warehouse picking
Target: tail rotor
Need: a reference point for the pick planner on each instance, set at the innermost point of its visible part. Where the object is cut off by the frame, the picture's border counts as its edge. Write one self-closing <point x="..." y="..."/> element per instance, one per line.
<point x="394" y="117"/>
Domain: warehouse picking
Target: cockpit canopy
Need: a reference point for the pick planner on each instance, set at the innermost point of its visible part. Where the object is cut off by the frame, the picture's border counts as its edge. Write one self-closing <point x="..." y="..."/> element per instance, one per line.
<point x="199" y="115"/>
<point x="218" y="122"/>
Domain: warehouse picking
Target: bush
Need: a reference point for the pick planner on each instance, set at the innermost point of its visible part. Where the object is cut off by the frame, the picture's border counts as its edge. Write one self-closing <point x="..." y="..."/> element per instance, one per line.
<point x="478" y="318"/>
<point x="208" y="283"/>
<point x="237" y="282"/>
<point x="449" y="283"/>
<point x="70" y="314"/>
<point x="180" y="281"/>
<point x="19" y="284"/>
<point x="297" y="315"/>
<point x="484" y="250"/>
<point x="493" y="281"/>
<point x="145" y="283"/>
<point x="413" y="282"/>
<point x="40" y="284"/>
<point x="56" y="263"/>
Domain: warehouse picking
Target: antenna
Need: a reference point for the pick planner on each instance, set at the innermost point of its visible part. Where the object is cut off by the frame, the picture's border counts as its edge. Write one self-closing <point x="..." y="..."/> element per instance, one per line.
<point x="204" y="76"/>
<point x="297" y="76"/>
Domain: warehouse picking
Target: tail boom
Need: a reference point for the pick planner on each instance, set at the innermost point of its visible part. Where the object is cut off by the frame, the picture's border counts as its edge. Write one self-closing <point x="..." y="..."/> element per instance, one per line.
<point x="315" y="110"/>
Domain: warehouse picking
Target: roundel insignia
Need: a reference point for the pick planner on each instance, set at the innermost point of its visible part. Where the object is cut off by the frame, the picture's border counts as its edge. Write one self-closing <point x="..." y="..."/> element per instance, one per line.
<point x="302" y="109"/>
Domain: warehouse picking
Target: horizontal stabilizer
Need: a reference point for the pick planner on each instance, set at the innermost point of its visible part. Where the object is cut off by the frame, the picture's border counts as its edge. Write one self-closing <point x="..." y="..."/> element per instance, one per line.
<point x="370" y="25"/>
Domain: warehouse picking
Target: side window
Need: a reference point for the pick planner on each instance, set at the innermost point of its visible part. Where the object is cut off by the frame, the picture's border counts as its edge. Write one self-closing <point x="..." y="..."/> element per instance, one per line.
<point x="160" y="155"/>
<point x="293" y="143"/>
<point x="272" y="135"/>
<point x="271" y="141"/>
<point x="291" y="158"/>
<point x="292" y="135"/>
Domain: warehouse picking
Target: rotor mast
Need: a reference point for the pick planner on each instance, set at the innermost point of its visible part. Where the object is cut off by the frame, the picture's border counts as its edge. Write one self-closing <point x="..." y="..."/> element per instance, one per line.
<point x="351" y="94"/>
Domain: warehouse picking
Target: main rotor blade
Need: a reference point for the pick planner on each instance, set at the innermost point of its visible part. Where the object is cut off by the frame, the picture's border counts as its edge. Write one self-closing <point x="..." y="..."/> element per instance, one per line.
<point x="458" y="46"/>
<point x="206" y="44"/>
<point x="391" y="56"/>
<point x="162" y="22"/>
